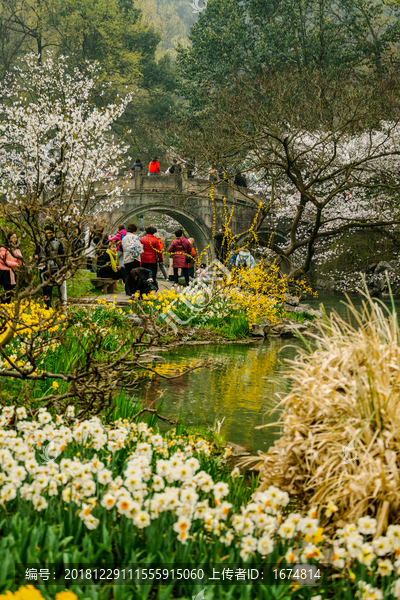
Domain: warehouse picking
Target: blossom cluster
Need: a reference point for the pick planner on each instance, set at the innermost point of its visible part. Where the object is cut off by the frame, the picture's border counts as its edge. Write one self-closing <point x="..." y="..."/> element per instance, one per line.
<point x="60" y="135"/>
<point x="254" y="293"/>
<point x="28" y="321"/>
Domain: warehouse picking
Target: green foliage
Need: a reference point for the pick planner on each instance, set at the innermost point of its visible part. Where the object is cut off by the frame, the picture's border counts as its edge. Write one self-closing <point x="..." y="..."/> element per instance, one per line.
<point x="241" y="42"/>
<point x="232" y="328"/>
<point x="172" y="19"/>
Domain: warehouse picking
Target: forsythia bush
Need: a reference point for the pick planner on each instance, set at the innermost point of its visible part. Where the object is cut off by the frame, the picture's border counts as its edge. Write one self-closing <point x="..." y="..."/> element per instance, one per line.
<point x="254" y="293"/>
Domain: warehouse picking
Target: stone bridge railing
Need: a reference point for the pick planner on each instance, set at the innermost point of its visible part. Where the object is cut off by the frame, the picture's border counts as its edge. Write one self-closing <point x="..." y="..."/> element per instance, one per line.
<point x="188" y="200"/>
<point x="182" y="184"/>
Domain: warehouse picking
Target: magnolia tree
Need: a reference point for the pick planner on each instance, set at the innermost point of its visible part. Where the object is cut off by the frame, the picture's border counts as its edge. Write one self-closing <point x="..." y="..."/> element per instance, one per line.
<point x="56" y="150"/>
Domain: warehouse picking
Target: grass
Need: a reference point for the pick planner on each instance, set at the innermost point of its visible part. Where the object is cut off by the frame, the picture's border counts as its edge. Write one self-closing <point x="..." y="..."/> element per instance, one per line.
<point x="79" y="286"/>
<point x="299" y="317"/>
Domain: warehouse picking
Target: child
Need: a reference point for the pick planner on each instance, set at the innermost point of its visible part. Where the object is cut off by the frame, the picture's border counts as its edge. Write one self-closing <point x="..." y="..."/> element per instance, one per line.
<point x="202" y="274"/>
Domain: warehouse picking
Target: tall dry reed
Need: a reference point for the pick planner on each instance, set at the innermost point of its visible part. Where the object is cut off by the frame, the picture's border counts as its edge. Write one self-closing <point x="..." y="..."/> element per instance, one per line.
<point x="341" y="421"/>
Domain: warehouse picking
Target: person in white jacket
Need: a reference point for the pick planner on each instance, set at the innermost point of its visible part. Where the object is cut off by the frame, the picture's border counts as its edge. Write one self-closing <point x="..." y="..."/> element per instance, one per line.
<point x="245" y="259"/>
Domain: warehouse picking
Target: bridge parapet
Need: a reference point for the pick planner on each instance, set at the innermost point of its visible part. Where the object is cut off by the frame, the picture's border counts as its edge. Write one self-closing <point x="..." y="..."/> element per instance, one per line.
<point x="181" y="184"/>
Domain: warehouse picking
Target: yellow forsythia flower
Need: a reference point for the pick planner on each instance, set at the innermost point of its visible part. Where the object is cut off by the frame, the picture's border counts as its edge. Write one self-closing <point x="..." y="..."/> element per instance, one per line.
<point x="55" y="385"/>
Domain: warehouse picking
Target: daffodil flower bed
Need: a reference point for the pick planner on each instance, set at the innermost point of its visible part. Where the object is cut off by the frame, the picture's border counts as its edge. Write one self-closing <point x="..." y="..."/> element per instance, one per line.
<point x="30" y="593"/>
<point x="89" y="493"/>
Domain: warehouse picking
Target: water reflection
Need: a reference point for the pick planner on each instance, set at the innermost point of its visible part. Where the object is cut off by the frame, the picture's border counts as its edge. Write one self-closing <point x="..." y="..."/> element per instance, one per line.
<point x="242" y="390"/>
<point x="338" y="303"/>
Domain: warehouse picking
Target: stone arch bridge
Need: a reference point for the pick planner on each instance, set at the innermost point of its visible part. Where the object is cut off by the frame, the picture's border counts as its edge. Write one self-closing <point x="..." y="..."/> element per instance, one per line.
<point x="188" y="201"/>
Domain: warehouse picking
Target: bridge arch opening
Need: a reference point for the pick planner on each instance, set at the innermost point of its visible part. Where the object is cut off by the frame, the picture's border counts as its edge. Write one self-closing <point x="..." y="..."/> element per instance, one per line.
<point x="195" y="228"/>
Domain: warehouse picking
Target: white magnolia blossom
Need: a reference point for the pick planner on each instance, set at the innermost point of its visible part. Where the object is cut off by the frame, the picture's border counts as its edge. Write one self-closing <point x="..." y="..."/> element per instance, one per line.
<point x="50" y="131"/>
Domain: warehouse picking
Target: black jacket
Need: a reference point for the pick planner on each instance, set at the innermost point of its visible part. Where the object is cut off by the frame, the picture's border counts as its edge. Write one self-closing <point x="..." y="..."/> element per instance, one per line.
<point x="240" y="180"/>
<point x="175" y="168"/>
<point x="139" y="164"/>
<point x="138" y="281"/>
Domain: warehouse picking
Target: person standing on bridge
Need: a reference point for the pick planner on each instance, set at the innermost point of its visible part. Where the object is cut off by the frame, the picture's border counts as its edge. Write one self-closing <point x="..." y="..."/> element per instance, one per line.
<point x="240" y="180"/>
<point x="213" y="173"/>
<point x="221" y="240"/>
<point x="151" y="251"/>
<point x="137" y="164"/>
<point x="154" y="166"/>
<point x="175" y="168"/>
<point x="181" y="250"/>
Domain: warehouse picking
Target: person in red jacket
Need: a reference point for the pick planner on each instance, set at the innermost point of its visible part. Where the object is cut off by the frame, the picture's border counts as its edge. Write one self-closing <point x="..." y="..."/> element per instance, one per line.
<point x="154" y="166"/>
<point x="181" y="249"/>
<point x="152" y="251"/>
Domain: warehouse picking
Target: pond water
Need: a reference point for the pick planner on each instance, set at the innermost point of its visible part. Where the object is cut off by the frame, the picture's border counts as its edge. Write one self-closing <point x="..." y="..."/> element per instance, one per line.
<point x="243" y="390"/>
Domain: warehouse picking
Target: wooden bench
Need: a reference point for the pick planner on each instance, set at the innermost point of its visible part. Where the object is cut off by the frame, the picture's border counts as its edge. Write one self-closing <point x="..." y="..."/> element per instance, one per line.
<point x="106" y="286"/>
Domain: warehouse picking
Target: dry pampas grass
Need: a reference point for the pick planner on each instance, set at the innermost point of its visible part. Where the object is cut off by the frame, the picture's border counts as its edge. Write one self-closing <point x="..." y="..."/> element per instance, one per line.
<point x="345" y="402"/>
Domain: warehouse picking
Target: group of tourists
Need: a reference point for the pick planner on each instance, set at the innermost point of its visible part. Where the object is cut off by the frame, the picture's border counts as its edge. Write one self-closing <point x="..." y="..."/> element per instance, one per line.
<point x="118" y="257"/>
<point x="174" y="169"/>
<point x="126" y="251"/>
<point x="216" y="174"/>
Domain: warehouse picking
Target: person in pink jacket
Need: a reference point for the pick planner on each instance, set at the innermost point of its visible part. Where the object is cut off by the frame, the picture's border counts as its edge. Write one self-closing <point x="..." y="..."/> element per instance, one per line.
<point x="9" y="264"/>
<point x="180" y="249"/>
<point x="118" y="237"/>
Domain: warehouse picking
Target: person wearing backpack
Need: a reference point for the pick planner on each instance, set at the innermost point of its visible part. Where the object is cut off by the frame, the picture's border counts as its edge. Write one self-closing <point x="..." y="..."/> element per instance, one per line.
<point x="138" y="164"/>
<point x="132" y="249"/>
<point x="245" y="259"/>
